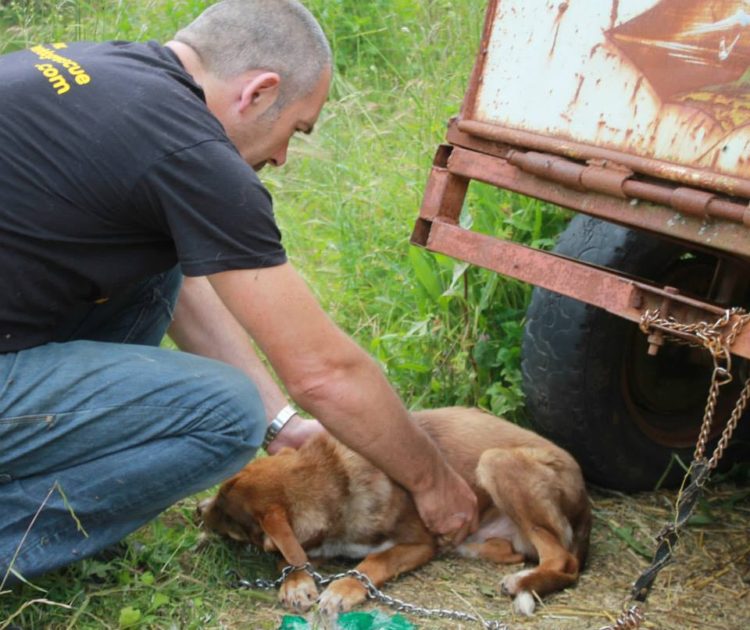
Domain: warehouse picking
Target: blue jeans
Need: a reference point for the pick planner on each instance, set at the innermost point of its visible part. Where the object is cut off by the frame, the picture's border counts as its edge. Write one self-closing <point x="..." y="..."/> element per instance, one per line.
<point x="116" y="427"/>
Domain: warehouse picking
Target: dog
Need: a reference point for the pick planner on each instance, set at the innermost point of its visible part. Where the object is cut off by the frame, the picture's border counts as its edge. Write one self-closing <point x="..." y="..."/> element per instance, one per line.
<point x="324" y="501"/>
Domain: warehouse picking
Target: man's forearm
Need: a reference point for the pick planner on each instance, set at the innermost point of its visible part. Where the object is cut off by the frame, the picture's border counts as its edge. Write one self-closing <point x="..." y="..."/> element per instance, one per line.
<point x="330" y="376"/>
<point x="203" y="325"/>
<point x="361" y="409"/>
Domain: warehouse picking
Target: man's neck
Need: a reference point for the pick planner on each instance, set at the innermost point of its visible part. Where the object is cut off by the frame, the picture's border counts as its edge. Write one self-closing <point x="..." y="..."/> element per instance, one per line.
<point x="189" y="60"/>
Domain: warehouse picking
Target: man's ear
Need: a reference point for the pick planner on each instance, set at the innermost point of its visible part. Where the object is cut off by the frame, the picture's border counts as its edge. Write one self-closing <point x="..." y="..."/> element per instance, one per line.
<point x="259" y="92"/>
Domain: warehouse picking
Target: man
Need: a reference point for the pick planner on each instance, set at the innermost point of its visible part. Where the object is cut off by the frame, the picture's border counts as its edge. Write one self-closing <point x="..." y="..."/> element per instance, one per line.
<point x="123" y="168"/>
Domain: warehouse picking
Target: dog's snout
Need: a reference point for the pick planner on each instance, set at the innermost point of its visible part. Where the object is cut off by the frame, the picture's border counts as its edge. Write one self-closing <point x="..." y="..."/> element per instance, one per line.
<point x="203" y="506"/>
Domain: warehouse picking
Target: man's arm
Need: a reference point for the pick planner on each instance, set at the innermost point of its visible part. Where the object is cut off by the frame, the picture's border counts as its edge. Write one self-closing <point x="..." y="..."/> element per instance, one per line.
<point x="203" y="325"/>
<point x="334" y="380"/>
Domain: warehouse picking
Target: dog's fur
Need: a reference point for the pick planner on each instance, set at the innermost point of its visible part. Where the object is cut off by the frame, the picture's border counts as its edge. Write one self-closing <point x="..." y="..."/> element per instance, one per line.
<point x="324" y="500"/>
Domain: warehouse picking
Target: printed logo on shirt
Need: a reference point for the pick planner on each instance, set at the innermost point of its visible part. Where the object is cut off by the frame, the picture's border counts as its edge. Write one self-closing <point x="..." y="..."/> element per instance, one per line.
<point x="55" y="75"/>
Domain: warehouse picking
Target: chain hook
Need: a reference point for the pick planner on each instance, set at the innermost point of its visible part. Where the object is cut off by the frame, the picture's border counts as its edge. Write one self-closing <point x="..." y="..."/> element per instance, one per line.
<point x="712" y="338"/>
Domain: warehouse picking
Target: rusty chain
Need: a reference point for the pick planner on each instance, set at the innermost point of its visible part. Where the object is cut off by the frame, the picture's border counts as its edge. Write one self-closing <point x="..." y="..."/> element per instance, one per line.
<point x="718" y="341"/>
<point x="710" y="336"/>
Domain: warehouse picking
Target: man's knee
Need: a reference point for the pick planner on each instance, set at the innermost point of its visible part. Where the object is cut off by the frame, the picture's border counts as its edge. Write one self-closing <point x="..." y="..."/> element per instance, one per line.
<point x="233" y="405"/>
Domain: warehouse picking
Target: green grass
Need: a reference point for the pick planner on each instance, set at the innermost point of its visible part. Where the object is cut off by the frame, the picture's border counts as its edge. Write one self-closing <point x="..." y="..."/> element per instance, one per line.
<point x="445" y="333"/>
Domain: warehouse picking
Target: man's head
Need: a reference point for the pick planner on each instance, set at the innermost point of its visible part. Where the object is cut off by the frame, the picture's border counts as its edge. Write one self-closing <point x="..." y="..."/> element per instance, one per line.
<point x="265" y="66"/>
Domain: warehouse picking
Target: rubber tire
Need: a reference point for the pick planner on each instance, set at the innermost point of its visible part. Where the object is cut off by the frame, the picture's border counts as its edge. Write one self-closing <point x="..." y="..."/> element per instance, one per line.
<point x="573" y="359"/>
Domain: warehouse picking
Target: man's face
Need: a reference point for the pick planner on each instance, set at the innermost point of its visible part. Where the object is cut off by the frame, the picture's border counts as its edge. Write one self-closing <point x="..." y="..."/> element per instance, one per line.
<point x="264" y="139"/>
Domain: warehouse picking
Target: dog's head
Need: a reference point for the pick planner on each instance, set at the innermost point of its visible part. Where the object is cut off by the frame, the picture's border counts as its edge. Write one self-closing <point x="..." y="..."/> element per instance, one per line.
<point x="230" y="514"/>
<point x="251" y="506"/>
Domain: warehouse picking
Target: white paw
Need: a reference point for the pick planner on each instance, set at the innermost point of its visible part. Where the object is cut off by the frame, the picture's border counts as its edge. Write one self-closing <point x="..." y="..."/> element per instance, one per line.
<point x="331" y="604"/>
<point x="509" y="585"/>
<point x="298" y="594"/>
<point x="341" y="596"/>
<point x="524" y="604"/>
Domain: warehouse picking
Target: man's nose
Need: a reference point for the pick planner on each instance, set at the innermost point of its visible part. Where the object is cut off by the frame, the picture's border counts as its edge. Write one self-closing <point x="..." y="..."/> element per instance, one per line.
<point x="279" y="158"/>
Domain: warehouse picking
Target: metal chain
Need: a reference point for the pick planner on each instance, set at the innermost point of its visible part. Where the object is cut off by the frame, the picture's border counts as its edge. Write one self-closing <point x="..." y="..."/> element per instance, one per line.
<point x="632" y="619"/>
<point x="372" y="592"/>
<point x="710" y="336"/>
<point x="731" y="426"/>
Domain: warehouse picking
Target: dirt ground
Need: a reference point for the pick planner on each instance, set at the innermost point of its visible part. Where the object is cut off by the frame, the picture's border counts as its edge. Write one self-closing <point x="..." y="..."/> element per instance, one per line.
<point x="707" y="586"/>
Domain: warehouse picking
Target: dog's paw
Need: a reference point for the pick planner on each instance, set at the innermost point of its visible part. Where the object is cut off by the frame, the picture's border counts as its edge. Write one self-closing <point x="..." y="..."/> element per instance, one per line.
<point x="511" y="584"/>
<point x="341" y="596"/>
<point x="298" y="592"/>
<point x="523" y="602"/>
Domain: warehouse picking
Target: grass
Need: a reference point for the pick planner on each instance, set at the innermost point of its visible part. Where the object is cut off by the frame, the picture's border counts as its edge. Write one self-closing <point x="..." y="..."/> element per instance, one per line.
<point x="444" y="333"/>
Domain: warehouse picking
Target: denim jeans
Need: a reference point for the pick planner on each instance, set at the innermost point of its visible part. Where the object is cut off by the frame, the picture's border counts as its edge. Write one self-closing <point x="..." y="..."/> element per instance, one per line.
<point x="112" y="429"/>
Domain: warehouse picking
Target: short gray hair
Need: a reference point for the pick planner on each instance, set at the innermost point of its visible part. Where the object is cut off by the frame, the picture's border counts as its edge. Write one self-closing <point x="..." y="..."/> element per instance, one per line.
<point x="282" y="36"/>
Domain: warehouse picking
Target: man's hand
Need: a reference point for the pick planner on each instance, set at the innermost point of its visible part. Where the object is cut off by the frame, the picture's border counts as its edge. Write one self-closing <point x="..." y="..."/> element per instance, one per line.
<point x="448" y="507"/>
<point x="295" y="433"/>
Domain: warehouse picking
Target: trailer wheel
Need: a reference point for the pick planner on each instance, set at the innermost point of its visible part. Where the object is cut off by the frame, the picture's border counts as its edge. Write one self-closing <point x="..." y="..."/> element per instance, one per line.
<point x="591" y="387"/>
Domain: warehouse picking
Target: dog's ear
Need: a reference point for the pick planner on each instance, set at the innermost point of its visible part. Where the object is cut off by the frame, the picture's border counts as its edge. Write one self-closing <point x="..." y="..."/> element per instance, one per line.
<point x="275" y="523"/>
<point x="285" y="450"/>
<point x="228" y="485"/>
<point x="232" y="514"/>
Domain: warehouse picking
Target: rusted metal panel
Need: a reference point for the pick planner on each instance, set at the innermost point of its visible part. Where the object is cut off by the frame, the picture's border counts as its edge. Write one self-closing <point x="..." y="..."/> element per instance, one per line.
<point x="659" y="86"/>
<point x="602" y="288"/>
<point x="633" y="111"/>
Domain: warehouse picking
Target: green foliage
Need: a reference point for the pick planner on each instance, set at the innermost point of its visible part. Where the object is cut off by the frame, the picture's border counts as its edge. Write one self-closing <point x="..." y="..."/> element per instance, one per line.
<point x="28" y="22"/>
<point x="158" y="579"/>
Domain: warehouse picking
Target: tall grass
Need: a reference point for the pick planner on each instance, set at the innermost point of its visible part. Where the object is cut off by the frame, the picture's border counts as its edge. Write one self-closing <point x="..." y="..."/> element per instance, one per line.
<point x="444" y="332"/>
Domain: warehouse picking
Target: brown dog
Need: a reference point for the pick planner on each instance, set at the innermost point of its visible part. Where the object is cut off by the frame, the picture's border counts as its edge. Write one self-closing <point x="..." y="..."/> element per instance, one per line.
<point x="324" y="500"/>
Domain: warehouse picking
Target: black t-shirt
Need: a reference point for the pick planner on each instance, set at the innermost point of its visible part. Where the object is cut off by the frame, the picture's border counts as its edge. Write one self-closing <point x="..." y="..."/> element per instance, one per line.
<point x="112" y="169"/>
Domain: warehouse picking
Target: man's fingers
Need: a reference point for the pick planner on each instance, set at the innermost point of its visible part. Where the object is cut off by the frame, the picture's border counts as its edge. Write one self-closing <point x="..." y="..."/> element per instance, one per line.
<point x="461" y="534"/>
<point x="456" y="529"/>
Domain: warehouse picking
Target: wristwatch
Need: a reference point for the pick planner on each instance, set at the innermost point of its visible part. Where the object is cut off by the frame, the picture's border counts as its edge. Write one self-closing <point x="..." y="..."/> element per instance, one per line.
<point x="278" y="423"/>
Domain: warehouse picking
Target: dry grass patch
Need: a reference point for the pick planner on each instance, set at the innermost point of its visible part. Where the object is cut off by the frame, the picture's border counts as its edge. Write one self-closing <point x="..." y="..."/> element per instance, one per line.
<point x="707" y="586"/>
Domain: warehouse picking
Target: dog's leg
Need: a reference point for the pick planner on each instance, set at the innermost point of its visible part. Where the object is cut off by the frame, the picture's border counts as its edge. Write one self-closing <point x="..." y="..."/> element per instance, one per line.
<point x="497" y="550"/>
<point x="345" y="593"/>
<point x="557" y="569"/>
<point x="526" y="484"/>
<point x="299" y="591"/>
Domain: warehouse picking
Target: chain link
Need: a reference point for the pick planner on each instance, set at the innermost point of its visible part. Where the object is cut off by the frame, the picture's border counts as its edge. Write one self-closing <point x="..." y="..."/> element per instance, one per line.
<point x="711" y="336"/>
<point x="372" y="592"/>
<point x="631" y="619"/>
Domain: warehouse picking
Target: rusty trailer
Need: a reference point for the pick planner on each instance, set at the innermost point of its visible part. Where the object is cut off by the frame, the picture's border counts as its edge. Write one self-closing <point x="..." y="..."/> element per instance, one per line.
<point x="635" y="114"/>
